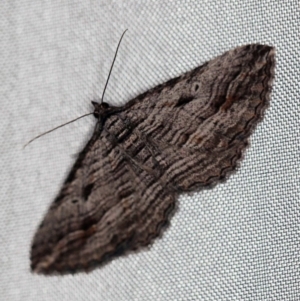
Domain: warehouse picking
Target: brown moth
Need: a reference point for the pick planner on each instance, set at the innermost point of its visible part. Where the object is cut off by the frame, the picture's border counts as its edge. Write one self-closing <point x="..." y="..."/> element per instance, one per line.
<point x="181" y="136"/>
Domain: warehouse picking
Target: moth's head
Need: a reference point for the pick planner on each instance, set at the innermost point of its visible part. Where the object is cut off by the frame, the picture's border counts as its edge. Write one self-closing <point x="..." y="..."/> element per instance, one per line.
<point x="100" y="108"/>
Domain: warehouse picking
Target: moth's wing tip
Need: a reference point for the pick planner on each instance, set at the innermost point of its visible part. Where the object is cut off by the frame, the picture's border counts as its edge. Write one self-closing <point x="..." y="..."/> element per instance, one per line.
<point x="36" y="270"/>
<point x="257" y="47"/>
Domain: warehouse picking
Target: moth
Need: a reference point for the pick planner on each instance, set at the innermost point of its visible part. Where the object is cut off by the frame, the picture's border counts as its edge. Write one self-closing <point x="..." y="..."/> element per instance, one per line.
<point x="181" y="136"/>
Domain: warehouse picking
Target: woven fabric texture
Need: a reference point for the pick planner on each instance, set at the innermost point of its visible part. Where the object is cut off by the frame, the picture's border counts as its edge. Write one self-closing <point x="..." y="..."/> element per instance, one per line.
<point x="238" y="241"/>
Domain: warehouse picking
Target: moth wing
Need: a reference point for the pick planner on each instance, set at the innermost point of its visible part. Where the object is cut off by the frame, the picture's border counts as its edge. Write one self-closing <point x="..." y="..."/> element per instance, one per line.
<point x="198" y="124"/>
<point x="180" y="136"/>
<point x="107" y="205"/>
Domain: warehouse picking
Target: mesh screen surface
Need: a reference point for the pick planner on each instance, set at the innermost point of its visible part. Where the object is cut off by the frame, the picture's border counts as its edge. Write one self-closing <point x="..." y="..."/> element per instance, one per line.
<point x="238" y="241"/>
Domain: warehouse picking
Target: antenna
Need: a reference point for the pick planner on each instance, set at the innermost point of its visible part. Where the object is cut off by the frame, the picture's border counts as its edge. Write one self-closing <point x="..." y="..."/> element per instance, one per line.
<point x="56" y="128"/>
<point x="84" y="114"/>
<point x="112" y="65"/>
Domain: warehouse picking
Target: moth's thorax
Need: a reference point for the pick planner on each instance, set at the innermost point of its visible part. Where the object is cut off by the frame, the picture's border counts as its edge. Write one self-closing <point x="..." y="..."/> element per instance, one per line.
<point x="101" y="109"/>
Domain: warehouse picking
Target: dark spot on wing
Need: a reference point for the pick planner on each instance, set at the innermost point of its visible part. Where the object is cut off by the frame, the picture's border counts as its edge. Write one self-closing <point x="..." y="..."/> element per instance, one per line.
<point x="87" y="190"/>
<point x="87" y="224"/>
<point x="183" y="101"/>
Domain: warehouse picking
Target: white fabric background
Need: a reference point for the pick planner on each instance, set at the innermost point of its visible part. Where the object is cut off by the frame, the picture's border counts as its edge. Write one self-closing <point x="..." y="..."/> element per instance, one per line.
<point x="238" y="241"/>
